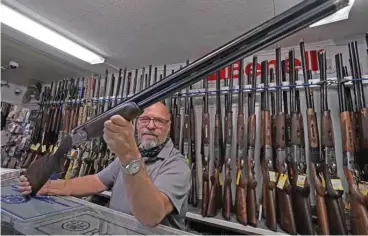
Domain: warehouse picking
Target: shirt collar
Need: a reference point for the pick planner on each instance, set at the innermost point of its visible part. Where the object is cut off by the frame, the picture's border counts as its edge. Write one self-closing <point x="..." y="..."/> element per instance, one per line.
<point x="166" y="150"/>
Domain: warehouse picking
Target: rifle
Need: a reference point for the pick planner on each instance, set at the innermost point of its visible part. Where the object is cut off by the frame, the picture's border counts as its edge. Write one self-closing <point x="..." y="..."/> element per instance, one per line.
<point x="228" y="199"/>
<point x="148" y="83"/>
<point x="284" y="189"/>
<point x="361" y="110"/>
<point x="155" y="76"/>
<point x="329" y="196"/>
<point x="300" y="183"/>
<point x="215" y="198"/>
<point x="177" y="124"/>
<point x="117" y="88"/>
<point x="205" y="151"/>
<point x="135" y="81"/>
<point x="358" y="209"/>
<point x="186" y="138"/>
<point x="287" y="23"/>
<point x="193" y="152"/>
<point x="267" y="163"/>
<point x="252" y="182"/>
<point x="142" y="80"/>
<point x="241" y="180"/>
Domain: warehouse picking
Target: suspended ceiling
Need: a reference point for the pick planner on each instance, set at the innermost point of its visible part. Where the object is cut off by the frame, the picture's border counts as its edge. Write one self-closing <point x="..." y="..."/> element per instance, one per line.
<point x="142" y="32"/>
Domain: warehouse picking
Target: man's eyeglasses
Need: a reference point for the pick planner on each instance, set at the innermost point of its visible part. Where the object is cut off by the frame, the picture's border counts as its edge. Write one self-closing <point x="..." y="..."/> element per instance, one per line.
<point x="158" y="122"/>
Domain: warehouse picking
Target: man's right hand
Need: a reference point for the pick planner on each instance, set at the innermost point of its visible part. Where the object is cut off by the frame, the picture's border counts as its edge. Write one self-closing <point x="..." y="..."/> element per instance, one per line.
<point x="25" y="187"/>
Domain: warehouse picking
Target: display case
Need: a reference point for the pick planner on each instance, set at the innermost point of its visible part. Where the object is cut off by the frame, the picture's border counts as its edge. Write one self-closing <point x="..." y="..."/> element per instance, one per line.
<point x="50" y="215"/>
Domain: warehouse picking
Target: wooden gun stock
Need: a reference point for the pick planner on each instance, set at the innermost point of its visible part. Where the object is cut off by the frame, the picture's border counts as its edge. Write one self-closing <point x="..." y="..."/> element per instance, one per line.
<point x="215" y="194"/>
<point x="336" y="216"/>
<point x="241" y="197"/>
<point x="193" y="193"/>
<point x="205" y="193"/>
<point x="228" y="199"/>
<point x="252" y="182"/>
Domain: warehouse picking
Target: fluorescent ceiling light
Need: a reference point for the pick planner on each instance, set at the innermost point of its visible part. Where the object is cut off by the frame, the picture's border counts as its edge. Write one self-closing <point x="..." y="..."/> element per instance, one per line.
<point x="34" y="29"/>
<point x="341" y="14"/>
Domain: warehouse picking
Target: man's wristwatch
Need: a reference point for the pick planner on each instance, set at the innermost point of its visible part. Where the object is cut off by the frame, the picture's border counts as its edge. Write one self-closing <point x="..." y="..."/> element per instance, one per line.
<point x="132" y="167"/>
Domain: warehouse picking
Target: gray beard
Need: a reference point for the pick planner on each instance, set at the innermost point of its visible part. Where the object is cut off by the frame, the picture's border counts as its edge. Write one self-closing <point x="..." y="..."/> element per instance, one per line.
<point x="148" y="144"/>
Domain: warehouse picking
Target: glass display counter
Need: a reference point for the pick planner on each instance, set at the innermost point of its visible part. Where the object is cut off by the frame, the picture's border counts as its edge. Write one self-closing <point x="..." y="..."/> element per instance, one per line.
<point x="49" y="215"/>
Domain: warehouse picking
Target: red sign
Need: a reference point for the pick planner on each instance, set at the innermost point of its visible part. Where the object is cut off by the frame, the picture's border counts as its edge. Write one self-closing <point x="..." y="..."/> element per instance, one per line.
<point x="311" y="62"/>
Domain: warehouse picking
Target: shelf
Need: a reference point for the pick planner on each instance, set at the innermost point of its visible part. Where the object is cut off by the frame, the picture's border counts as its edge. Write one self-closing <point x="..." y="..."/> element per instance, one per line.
<point x="199" y="92"/>
<point x="261" y="229"/>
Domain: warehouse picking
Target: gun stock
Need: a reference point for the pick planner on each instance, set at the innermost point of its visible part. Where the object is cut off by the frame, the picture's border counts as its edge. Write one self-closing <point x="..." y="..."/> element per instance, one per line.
<point x="242" y="181"/>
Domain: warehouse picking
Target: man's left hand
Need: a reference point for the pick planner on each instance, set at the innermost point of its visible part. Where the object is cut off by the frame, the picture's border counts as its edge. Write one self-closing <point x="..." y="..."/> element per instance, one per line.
<point x="119" y="137"/>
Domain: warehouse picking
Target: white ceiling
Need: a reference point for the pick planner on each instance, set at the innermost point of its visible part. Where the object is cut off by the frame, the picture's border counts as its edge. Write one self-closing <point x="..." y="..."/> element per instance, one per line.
<point x="142" y="32"/>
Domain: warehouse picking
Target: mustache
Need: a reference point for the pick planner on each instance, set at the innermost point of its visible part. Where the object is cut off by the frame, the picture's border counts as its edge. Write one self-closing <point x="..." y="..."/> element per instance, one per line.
<point x="147" y="132"/>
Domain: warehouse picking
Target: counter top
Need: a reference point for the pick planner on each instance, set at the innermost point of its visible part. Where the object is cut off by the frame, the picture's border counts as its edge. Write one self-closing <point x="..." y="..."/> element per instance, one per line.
<point x="66" y="215"/>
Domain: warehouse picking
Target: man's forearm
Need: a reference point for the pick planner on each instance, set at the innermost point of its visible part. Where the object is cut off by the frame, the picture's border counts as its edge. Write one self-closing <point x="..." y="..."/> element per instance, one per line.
<point x="81" y="186"/>
<point x="145" y="199"/>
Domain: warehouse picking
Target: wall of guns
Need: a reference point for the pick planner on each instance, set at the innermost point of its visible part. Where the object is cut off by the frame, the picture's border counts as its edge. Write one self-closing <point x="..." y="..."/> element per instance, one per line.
<point x="293" y="142"/>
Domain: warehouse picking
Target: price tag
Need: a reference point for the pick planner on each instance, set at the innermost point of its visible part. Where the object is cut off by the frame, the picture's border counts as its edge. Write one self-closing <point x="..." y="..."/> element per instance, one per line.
<point x="238" y="177"/>
<point x="363" y="188"/>
<point x="336" y="184"/>
<point x="273" y="176"/>
<point x="43" y="148"/>
<point x="220" y="179"/>
<point x="282" y="181"/>
<point x="37" y="146"/>
<point x="33" y="147"/>
<point x="301" y="181"/>
<point x="51" y="148"/>
<point x="322" y="180"/>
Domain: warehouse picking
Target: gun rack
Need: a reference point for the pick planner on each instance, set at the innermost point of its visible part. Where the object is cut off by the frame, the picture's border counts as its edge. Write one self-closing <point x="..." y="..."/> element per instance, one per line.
<point x="199" y="92"/>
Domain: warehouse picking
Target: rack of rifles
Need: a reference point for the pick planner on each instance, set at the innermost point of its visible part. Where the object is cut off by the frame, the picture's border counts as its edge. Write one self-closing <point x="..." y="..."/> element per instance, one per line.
<point x="285" y="185"/>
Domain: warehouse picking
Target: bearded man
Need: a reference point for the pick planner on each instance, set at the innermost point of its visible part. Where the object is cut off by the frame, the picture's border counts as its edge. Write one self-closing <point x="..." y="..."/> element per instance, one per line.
<point x="150" y="181"/>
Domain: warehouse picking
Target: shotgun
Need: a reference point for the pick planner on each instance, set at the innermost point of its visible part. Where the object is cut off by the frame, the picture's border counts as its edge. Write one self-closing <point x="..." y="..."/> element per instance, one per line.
<point x="205" y="151"/>
<point x="252" y="182"/>
<point x="193" y="161"/>
<point x="358" y="209"/>
<point x="227" y="207"/>
<point x="330" y="215"/>
<point x="300" y="183"/>
<point x="241" y="170"/>
<point x="267" y="163"/>
<point x="361" y="110"/>
<point x="215" y="198"/>
<point x="284" y="189"/>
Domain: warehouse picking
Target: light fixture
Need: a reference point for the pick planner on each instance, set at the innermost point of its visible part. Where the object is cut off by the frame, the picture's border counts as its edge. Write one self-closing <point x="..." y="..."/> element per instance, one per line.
<point x="34" y="29"/>
<point x="341" y="14"/>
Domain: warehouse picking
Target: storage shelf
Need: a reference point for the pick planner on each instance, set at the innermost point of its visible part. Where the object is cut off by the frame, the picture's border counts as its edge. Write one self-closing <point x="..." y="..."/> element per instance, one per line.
<point x="194" y="215"/>
<point x="199" y="92"/>
<point x="261" y="229"/>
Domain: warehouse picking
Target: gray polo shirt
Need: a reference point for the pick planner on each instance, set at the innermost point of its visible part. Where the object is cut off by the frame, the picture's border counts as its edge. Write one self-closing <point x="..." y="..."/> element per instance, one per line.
<point x="170" y="173"/>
